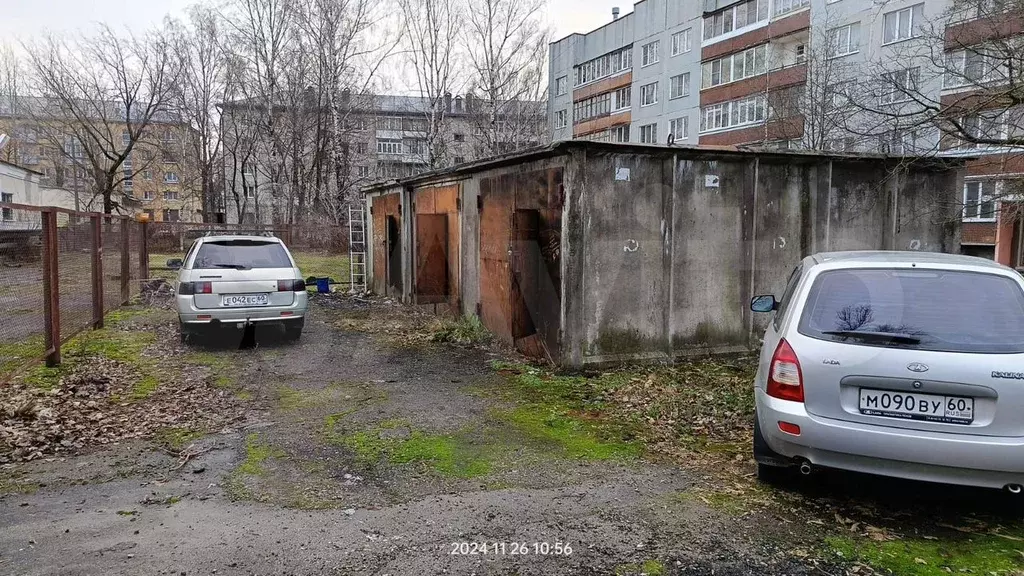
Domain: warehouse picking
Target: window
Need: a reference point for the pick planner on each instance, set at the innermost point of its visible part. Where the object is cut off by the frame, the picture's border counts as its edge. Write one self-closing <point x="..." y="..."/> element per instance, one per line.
<point x="128" y="184"/>
<point x="734" y="67"/>
<point x="735" y="17"/>
<point x="362" y="171"/>
<point x="680" y="128"/>
<point x="649" y="94"/>
<point x="682" y="41"/>
<point x="845" y="144"/>
<point x="649" y="53"/>
<point x="978" y="200"/>
<point x="607" y="65"/>
<point x="989" y="126"/>
<point x="460" y="159"/>
<point x="7" y="213"/>
<point x="622" y="98"/>
<point x="126" y="138"/>
<point x="393" y="123"/>
<point x="147" y="174"/>
<point x="561" y="86"/>
<point x="385" y="146"/>
<point x="902" y="24"/>
<point x="844" y="40"/>
<point x="679" y="86"/>
<point x="838" y="94"/>
<point x="147" y="194"/>
<point x="416" y="146"/>
<point x="749" y="110"/>
<point x="561" y="119"/>
<point x="168" y="157"/>
<point x="170" y="194"/>
<point x="898" y="142"/>
<point x="593" y="107"/>
<point x="172" y="215"/>
<point x="649" y="134"/>
<point x="168" y="135"/>
<point x="800" y="50"/>
<point x="784" y="6"/>
<point x="620" y="133"/>
<point x="972" y="67"/>
<point x="461" y="137"/>
<point x="899" y="86"/>
<point x="990" y="320"/>
<point x="150" y="215"/>
<point x="362" y="148"/>
<point x="171" y="177"/>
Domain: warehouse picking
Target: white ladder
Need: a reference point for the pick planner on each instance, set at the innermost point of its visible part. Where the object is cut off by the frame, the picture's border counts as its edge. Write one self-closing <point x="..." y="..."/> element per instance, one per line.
<point x="357" y="247"/>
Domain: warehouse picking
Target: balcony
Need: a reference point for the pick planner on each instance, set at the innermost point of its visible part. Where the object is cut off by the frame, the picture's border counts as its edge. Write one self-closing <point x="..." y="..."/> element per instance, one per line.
<point x="989" y="26"/>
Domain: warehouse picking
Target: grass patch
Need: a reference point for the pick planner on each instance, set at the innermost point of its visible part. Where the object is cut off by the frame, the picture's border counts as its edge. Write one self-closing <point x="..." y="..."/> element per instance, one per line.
<point x="566" y="412"/>
<point x="14" y="355"/>
<point x="257" y="453"/>
<point x="176" y="438"/>
<point x="463" y="330"/>
<point x="978" y="554"/>
<point x="11" y="486"/>
<point x="322" y="265"/>
<point x="446" y="454"/>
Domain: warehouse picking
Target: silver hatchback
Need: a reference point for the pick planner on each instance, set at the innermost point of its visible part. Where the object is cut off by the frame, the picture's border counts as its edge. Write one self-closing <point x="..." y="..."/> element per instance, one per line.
<point x="236" y="281"/>
<point x="902" y="364"/>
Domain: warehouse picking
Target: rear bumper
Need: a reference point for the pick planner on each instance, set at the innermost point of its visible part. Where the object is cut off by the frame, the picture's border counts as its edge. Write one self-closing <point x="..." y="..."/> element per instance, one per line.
<point x="189" y="314"/>
<point x="971" y="460"/>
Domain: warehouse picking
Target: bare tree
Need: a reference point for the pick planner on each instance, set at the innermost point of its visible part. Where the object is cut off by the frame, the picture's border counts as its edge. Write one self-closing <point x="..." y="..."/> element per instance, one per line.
<point x="506" y="42"/>
<point x="11" y="88"/>
<point x="100" y="97"/>
<point x="432" y="30"/>
<point x="202" y="59"/>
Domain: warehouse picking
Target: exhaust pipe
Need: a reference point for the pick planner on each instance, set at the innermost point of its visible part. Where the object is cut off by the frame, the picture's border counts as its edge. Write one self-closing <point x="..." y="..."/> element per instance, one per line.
<point x="1013" y="488"/>
<point x="806" y="469"/>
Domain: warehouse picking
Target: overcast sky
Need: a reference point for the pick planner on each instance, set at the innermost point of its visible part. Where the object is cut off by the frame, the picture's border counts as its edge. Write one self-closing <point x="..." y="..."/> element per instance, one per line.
<point x="20" y="19"/>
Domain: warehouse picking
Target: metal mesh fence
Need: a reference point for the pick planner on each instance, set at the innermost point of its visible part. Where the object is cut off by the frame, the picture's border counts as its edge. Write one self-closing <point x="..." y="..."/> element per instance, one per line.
<point x="112" y="242"/>
<point x="74" y="274"/>
<point x="52" y="264"/>
<point x="174" y="238"/>
<point x="21" y="287"/>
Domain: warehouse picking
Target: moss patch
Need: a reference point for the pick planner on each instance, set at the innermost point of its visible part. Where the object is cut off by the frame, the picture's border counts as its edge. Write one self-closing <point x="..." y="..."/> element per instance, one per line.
<point x="979" y="554"/>
<point x="14" y="355"/>
<point x="646" y="568"/>
<point x="12" y="486"/>
<point x="257" y="453"/>
<point x="222" y="369"/>
<point x="176" y="438"/>
<point x="450" y="455"/>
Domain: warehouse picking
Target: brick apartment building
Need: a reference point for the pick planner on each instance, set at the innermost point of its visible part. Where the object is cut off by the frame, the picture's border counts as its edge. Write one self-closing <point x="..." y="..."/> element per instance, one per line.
<point x="704" y="72"/>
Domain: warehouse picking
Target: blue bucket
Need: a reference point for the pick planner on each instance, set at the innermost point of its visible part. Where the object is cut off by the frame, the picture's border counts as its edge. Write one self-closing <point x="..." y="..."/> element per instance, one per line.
<point x="323" y="285"/>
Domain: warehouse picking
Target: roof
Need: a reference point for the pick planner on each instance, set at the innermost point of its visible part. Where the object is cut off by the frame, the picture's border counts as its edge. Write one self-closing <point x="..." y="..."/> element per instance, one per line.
<point x="18" y="107"/>
<point x="29" y="170"/>
<point x="564" y="147"/>
<point x="226" y="237"/>
<point x="902" y="257"/>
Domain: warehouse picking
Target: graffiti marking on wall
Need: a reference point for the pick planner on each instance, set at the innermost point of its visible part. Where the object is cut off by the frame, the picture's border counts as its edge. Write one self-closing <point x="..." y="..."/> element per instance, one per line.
<point x="631" y="246"/>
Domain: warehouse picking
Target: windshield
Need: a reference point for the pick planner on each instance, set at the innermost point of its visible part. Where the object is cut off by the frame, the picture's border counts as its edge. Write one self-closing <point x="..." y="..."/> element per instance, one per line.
<point x="939" y="310"/>
<point x="242" y="255"/>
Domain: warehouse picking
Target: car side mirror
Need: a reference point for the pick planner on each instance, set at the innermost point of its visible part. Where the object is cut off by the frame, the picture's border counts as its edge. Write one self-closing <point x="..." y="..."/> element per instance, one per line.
<point x="764" y="303"/>
<point x="174" y="263"/>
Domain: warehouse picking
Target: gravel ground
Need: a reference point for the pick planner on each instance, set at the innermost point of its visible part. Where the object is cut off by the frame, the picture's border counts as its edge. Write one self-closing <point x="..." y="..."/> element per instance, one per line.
<point x="285" y="491"/>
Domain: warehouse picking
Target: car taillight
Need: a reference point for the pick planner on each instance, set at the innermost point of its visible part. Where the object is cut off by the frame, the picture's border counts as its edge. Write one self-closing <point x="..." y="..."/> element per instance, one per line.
<point x="189" y="288"/>
<point x="291" y="285"/>
<point x="785" y="380"/>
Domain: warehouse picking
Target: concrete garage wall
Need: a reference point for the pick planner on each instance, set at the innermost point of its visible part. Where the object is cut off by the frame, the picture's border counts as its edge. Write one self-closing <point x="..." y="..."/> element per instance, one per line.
<point x="668" y="260"/>
<point x="662" y="248"/>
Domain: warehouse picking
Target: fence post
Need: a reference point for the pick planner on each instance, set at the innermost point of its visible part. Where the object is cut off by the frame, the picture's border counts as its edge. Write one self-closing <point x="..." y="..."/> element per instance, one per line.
<point x="144" y="252"/>
<point x="126" y="260"/>
<point x="51" y="289"/>
<point x="97" y="270"/>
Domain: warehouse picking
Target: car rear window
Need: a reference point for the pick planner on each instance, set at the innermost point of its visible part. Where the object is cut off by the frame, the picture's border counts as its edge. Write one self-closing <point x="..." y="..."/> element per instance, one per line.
<point x="942" y="310"/>
<point x="242" y="254"/>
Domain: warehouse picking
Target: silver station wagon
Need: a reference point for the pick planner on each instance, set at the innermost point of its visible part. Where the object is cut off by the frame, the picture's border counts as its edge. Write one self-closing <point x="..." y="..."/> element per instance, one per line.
<point x="903" y="364"/>
<point x="237" y="281"/>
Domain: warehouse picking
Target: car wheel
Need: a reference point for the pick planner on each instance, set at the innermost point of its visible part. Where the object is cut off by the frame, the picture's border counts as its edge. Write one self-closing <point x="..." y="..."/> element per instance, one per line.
<point x="293" y="329"/>
<point x="184" y="334"/>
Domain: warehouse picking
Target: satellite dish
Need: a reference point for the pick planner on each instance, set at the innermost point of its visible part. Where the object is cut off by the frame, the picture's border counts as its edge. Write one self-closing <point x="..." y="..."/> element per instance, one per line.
<point x="3" y="140"/>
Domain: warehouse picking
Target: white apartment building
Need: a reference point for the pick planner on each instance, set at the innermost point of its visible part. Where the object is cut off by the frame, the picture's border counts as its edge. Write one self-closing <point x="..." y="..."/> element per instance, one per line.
<point x="718" y="72"/>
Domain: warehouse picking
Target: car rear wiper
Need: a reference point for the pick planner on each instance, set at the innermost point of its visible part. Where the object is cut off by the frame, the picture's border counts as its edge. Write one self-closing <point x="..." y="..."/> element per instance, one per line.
<point x="235" y="266"/>
<point x="877" y="336"/>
